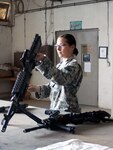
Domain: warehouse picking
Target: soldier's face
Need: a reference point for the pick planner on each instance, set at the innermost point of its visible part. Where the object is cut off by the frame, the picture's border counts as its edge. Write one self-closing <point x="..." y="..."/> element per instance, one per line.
<point x="64" y="50"/>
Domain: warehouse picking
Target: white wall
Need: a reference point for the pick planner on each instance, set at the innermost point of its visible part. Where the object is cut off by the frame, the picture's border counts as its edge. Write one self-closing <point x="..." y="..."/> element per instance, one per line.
<point x="111" y="49"/>
<point x="92" y="16"/>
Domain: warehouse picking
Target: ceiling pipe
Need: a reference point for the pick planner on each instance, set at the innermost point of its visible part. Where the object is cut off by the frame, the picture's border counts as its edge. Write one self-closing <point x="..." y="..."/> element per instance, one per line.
<point x="67" y="5"/>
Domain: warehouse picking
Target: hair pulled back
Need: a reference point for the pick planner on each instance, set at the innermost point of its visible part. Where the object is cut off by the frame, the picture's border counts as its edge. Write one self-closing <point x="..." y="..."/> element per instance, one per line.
<point x="71" y="41"/>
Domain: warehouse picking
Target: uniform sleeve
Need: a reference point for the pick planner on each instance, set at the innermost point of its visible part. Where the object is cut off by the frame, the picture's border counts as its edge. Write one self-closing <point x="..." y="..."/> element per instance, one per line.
<point x="62" y="77"/>
<point x="44" y="92"/>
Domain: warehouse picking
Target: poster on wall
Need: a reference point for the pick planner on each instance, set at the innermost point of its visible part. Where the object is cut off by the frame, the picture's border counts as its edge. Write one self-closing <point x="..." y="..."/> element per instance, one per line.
<point x="87" y="66"/>
<point x="103" y="52"/>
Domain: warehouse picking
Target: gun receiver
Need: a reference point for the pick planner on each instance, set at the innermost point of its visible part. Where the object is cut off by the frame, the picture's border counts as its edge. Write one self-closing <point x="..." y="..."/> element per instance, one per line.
<point x="28" y="61"/>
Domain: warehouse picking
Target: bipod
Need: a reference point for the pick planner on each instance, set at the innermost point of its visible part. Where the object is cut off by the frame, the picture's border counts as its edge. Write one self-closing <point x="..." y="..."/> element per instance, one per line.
<point x="12" y="110"/>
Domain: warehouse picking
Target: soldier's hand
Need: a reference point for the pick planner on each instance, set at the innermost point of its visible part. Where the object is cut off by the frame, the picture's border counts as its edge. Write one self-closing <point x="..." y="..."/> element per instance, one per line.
<point x="33" y="88"/>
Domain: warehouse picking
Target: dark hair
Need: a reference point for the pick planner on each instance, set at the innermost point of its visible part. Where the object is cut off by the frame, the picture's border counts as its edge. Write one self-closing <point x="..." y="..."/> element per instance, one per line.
<point x="71" y="41"/>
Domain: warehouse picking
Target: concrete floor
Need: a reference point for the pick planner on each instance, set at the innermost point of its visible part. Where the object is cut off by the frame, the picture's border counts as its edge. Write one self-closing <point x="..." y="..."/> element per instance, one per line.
<point x="15" y="139"/>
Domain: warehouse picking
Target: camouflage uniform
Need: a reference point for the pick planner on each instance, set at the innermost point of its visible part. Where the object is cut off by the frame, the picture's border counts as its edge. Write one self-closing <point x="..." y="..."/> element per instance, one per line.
<point x="65" y="81"/>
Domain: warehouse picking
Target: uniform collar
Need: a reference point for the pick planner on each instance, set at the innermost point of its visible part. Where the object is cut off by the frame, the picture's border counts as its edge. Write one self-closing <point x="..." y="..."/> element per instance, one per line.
<point x="68" y="59"/>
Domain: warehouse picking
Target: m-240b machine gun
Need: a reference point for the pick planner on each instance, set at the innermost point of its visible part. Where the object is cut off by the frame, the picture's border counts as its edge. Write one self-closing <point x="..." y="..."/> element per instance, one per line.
<point x="22" y="82"/>
<point x="67" y="122"/>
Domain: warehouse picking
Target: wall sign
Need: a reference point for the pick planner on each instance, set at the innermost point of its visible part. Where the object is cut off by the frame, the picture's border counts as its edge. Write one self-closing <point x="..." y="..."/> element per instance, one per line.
<point x="75" y="25"/>
<point x="103" y="52"/>
<point x="86" y="57"/>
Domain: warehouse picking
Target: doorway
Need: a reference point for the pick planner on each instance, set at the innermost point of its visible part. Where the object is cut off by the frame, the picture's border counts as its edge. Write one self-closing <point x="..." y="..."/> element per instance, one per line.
<point x="87" y="44"/>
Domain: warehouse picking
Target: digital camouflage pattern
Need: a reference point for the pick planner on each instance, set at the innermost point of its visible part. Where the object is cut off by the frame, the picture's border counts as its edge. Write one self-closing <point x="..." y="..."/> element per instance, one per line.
<point x="64" y="83"/>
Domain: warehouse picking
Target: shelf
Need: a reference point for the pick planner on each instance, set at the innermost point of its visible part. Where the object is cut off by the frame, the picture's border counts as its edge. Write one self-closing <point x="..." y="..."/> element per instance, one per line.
<point x="6" y="94"/>
<point x="8" y="78"/>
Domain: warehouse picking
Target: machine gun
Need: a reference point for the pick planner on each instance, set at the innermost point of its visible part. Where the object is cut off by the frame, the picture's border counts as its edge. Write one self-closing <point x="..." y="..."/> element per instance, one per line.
<point x="67" y="122"/>
<point x="22" y="82"/>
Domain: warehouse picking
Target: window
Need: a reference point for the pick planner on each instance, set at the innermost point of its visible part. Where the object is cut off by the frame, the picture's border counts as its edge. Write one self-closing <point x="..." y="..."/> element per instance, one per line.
<point x="4" y="11"/>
